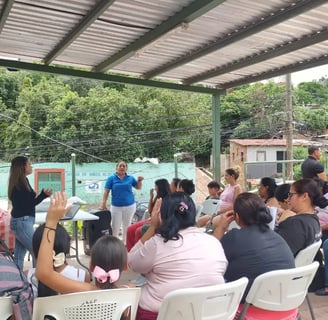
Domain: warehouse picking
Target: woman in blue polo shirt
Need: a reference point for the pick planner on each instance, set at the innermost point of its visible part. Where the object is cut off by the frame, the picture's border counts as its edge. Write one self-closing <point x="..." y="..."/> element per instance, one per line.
<point x="123" y="205"/>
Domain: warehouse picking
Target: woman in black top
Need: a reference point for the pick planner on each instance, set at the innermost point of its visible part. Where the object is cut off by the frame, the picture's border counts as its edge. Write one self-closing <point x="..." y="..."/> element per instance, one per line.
<point x="303" y="229"/>
<point x="23" y="199"/>
<point x="254" y="248"/>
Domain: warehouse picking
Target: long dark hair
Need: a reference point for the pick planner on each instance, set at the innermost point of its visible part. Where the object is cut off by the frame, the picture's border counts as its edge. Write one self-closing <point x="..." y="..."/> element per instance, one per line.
<point x="17" y="175"/>
<point x="178" y="212"/>
<point x="62" y="243"/>
<point x="271" y="185"/>
<point x="252" y="210"/>
<point x="108" y="253"/>
<point x="163" y="188"/>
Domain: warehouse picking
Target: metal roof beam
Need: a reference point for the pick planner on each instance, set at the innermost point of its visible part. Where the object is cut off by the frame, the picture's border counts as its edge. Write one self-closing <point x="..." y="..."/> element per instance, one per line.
<point x="297" y="66"/>
<point x="107" y="77"/>
<point x="270" y="53"/>
<point x="186" y="15"/>
<point x="5" y="12"/>
<point x="91" y="16"/>
<point x="254" y="27"/>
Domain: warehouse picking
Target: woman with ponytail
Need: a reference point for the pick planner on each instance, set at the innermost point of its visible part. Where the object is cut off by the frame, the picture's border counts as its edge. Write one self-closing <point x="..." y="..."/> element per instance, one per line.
<point x="174" y="254"/>
<point x="254" y="248"/>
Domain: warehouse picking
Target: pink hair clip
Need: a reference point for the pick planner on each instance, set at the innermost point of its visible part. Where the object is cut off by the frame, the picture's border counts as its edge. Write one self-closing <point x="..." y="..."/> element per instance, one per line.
<point x="182" y="207"/>
<point x="102" y="276"/>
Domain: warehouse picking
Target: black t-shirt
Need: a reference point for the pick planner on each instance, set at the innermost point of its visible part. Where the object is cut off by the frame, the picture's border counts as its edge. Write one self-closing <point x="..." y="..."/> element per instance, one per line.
<point x="251" y="252"/>
<point x="311" y="167"/>
<point x="300" y="231"/>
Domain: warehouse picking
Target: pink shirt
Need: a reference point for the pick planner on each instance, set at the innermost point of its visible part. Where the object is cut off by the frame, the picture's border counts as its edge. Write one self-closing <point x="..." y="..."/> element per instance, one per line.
<point x="195" y="260"/>
<point x="323" y="213"/>
<point x="227" y="196"/>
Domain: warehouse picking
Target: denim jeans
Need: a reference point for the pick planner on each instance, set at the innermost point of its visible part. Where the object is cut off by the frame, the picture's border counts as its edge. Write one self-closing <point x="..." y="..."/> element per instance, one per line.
<point x="23" y="230"/>
<point x="325" y="255"/>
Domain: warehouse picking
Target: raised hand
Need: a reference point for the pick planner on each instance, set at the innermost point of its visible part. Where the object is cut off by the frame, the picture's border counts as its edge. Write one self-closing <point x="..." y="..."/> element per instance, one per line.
<point x="156" y="214"/>
<point x="57" y="208"/>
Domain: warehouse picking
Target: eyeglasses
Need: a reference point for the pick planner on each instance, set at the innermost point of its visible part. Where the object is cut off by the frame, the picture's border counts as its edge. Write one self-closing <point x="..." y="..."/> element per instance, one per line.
<point x="290" y="194"/>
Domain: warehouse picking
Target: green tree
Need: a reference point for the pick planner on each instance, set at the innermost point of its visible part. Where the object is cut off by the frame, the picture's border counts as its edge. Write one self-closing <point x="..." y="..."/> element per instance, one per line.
<point x="18" y="136"/>
<point x="254" y="111"/>
<point x="311" y="93"/>
<point x="9" y="88"/>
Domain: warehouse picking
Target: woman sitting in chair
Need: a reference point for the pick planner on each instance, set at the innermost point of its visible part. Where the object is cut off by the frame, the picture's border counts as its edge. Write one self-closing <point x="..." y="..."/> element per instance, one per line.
<point x="254" y="248"/>
<point x="174" y="254"/>
<point x="303" y="229"/>
<point x="227" y="197"/>
<point x="133" y="234"/>
<point x="282" y="196"/>
<point x="267" y="188"/>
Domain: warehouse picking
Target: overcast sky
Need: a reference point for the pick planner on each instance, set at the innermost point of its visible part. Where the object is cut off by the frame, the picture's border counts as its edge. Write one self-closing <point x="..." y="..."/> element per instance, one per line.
<point x="307" y="75"/>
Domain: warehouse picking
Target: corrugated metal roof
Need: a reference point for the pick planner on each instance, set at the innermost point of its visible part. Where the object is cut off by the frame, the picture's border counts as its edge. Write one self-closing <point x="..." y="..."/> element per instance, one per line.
<point x="271" y="142"/>
<point x="215" y="43"/>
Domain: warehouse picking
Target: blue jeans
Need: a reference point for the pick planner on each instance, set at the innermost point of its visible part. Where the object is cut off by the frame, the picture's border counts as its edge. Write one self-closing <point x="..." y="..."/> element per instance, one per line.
<point x="325" y="255"/>
<point x="23" y="230"/>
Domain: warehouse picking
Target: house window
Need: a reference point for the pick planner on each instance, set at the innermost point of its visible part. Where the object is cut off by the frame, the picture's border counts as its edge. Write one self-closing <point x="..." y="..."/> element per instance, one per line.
<point x="242" y="156"/>
<point x="49" y="179"/>
<point x="281" y="155"/>
<point x="260" y="156"/>
<point x="233" y="156"/>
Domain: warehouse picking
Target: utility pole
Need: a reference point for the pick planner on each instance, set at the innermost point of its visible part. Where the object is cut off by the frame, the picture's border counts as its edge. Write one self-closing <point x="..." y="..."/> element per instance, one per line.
<point x="289" y="127"/>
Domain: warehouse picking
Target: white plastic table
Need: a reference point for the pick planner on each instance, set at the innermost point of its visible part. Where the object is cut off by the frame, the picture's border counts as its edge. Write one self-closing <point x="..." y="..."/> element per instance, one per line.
<point x="40" y="217"/>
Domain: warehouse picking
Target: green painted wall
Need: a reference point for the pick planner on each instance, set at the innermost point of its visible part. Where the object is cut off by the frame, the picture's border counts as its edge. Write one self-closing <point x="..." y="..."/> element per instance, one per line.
<point x="90" y="178"/>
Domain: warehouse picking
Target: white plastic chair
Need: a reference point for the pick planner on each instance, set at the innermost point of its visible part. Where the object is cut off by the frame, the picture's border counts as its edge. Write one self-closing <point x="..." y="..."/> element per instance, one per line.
<point x="199" y="210"/>
<point x="211" y="206"/>
<point x="306" y="257"/>
<point x="219" y="302"/>
<point x="6" y="307"/>
<point x="280" y="290"/>
<point x="233" y="225"/>
<point x="89" y="305"/>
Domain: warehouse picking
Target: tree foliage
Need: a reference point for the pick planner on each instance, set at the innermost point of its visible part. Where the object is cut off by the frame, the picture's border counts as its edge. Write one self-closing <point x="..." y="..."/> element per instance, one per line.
<point x="101" y="121"/>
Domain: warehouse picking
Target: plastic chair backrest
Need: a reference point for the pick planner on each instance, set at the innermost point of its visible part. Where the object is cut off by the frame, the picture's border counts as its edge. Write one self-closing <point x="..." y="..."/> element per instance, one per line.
<point x="233" y="225"/>
<point x="6" y="307"/>
<point x="219" y="302"/>
<point x="88" y="305"/>
<point x="306" y="256"/>
<point x="280" y="290"/>
<point x="211" y="206"/>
